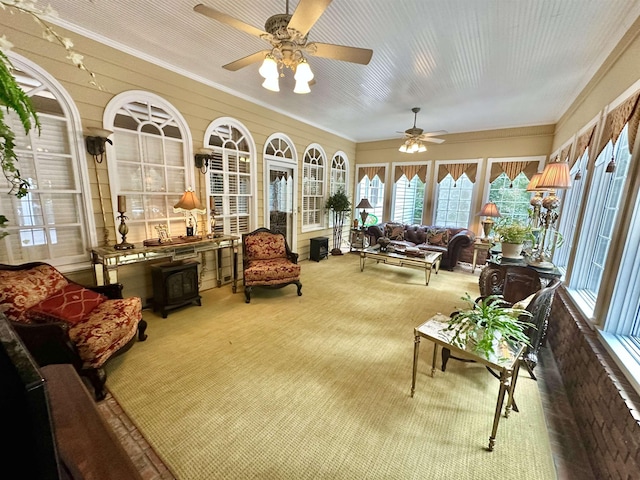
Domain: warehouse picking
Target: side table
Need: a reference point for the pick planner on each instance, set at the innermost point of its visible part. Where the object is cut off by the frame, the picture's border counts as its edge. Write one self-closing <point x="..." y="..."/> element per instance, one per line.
<point x="358" y="240"/>
<point x="479" y="246"/>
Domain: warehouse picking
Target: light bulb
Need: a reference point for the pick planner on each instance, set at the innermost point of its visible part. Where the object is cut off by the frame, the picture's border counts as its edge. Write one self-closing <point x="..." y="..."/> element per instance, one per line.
<point x="303" y="71"/>
<point x="269" y="67"/>
<point x="302" y="86"/>
<point x="272" y="84"/>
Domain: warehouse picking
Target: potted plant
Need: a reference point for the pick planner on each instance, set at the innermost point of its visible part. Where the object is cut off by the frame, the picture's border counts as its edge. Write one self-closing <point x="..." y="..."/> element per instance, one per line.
<point x="512" y="234"/>
<point x="486" y="323"/>
<point x="340" y="205"/>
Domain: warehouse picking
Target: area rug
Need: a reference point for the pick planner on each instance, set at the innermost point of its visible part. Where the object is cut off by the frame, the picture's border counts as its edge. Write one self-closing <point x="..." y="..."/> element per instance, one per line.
<point x="318" y="386"/>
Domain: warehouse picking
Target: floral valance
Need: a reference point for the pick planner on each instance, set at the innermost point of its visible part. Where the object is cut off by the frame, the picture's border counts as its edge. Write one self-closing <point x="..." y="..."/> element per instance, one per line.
<point x="513" y="169"/>
<point x="456" y="170"/>
<point x="628" y="112"/>
<point x="371" y="172"/>
<point x="583" y="142"/>
<point x="410" y="171"/>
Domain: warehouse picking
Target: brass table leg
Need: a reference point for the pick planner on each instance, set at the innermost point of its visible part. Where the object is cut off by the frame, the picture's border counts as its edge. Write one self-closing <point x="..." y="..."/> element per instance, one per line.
<point x="416" y="347"/>
<point x="475" y="260"/>
<point x="427" y="274"/>
<point x="504" y="385"/>
<point x="433" y="361"/>
<point x="511" y="403"/>
<point x="362" y="258"/>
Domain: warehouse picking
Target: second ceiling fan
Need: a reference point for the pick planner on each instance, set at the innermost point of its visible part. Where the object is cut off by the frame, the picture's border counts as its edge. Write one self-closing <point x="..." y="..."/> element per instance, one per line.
<point x="414" y="136"/>
<point x="287" y="34"/>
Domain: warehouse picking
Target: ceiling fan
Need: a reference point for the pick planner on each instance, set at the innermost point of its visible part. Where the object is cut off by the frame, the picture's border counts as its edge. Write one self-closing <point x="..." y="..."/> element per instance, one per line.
<point x="287" y="35"/>
<point x="415" y="136"/>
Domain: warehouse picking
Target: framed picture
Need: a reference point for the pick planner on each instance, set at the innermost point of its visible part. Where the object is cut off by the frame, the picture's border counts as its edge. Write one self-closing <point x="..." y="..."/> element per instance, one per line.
<point x="163" y="233"/>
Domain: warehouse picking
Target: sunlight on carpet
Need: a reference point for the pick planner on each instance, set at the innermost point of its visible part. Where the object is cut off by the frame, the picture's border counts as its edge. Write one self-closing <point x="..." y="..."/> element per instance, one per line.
<point x="318" y="386"/>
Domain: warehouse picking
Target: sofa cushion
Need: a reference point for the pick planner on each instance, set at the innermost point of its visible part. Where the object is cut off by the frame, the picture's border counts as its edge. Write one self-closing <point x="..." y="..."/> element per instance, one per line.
<point x="394" y="231"/>
<point x="437" y="236"/>
<point x="264" y="245"/>
<point x="22" y="289"/>
<point x="70" y="304"/>
<point x="107" y="329"/>
<point x="271" y="272"/>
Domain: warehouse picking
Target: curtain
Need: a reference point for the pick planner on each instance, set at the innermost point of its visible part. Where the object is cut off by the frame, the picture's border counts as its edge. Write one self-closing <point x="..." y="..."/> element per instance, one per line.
<point x="410" y="171"/>
<point x="583" y="142"/>
<point x="513" y="169"/>
<point x="456" y="170"/>
<point x="628" y="112"/>
<point x="371" y="172"/>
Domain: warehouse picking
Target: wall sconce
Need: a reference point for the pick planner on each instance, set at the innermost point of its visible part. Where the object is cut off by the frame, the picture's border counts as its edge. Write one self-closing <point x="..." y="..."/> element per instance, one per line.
<point x="202" y="159"/>
<point x="95" y="142"/>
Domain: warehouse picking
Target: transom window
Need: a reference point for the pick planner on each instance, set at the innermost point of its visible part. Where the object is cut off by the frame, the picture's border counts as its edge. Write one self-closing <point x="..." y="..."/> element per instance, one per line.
<point x="230" y="176"/>
<point x="150" y="168"/>
<point x="50" y="223"/>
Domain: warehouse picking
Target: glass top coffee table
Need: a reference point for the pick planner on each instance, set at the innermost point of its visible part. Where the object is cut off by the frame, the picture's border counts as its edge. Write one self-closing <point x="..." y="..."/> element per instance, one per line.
<point x="420" y="259"/>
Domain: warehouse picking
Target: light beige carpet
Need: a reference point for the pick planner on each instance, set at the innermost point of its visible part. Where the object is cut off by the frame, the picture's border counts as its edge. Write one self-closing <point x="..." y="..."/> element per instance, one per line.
<point x="318" y="386"/>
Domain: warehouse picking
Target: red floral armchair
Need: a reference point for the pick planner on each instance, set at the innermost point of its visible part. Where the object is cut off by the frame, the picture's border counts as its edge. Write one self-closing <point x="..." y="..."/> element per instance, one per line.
<point x="61" y="321"/>
<point x="268" y="262"/>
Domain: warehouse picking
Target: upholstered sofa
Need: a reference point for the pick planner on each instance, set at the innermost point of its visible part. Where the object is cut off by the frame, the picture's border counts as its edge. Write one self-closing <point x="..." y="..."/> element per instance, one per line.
<point x="61" y="321"/>
<point x="447" y="240"/>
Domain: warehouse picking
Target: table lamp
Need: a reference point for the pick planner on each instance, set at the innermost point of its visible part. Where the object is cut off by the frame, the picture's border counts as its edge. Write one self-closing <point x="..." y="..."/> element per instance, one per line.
<point x="489" y="210"/>
<point x="189" y="204"/>
<point x="364" y="204"/>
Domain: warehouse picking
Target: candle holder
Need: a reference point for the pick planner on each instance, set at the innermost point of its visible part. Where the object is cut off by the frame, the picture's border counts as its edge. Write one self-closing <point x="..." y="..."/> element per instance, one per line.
<point x="122" y="228"/>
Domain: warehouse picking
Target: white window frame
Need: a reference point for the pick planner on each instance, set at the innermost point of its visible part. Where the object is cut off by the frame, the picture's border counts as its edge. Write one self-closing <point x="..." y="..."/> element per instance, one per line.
<point x="319" y="196"/>
<point x="174" y="221"/>
<point x="379" y="206"/>
<point x="436" y="187"/>
<point x="228" y="220"/>
<point x="339" y="166"/>
<point x="81" y="191"/>
<point x="404" y="180"/>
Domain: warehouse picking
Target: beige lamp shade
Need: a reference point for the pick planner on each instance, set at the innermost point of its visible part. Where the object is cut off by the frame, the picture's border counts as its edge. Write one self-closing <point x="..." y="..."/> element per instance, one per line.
<point x="534" y="182"/>
<point x="189" y="203"/>
<point x="490" y="209"/>
<point x="555" y="176"/>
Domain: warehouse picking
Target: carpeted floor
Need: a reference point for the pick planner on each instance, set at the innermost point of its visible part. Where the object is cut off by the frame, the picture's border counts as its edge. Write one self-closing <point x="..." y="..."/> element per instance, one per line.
<point x="318" y="386"/>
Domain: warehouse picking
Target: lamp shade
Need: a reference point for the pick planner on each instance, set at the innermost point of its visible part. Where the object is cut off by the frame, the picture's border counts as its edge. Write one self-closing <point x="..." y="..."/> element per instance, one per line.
<point x="271" y="84"/>
<point x="189" y="203"/>
<point x="303" y="71"/>
<point x="302" y="86"/>
<point x="269" y="67"/>
<point x="490" y="210"/>
<point x="364" y="203"/>
<point x="533" y="183"/>
<point x="555" y="175"/>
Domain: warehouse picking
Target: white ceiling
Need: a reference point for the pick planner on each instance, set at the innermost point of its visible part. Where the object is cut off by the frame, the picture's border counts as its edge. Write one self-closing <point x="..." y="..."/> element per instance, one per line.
<point x="469" y="64"/>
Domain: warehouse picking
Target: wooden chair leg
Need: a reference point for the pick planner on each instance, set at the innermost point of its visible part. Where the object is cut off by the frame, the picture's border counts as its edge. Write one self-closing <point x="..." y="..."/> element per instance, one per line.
<point x="247" y="294"/>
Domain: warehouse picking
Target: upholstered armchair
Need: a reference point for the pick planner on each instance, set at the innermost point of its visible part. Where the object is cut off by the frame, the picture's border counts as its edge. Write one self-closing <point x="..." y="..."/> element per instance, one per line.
<point x="61" y="321"/>
<point x="268" y="262"/>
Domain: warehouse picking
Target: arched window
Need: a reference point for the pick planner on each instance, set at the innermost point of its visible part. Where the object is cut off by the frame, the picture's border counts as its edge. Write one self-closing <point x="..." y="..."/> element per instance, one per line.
<point x="148" y="163"/>
<point x="313" y="187"/>
<point x="52" y="222"/>
<point x="230" y="175"/>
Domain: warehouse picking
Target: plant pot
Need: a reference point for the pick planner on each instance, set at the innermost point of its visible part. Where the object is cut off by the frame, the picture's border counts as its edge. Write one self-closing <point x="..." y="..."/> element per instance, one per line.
<point x="511" y="250"/>
<point x="336" y="251"/>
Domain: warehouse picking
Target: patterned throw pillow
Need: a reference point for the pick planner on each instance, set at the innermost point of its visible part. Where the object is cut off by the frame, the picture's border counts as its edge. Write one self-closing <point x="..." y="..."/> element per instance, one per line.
<point x="394" y="231"/>
<point x="438" y="236"/>
<point x="71" y="304"/>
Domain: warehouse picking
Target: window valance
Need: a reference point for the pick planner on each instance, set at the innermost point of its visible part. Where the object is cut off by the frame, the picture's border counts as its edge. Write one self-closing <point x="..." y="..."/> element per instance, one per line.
<point x="513" y="169"/>
<point x="371" y="172"/>
<point x="628" y="112"/>
<point x="583" y="142"/>
<point x="456" y="170"/>
<point x="410" y="171"/>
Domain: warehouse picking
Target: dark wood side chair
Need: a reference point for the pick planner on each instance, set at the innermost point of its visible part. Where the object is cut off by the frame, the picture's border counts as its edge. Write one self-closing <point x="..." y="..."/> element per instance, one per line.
<point x="268" y="262"/>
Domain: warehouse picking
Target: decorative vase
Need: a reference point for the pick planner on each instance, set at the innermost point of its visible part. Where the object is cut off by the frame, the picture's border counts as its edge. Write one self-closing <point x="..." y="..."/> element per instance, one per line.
<point x="511" y="250"/>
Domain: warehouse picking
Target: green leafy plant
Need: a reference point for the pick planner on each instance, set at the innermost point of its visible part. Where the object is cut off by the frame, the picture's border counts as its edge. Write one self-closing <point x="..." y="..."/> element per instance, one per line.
<point x="487" y="320"/>
<point x="340" y="205"/>
<point x="513" y="231"/>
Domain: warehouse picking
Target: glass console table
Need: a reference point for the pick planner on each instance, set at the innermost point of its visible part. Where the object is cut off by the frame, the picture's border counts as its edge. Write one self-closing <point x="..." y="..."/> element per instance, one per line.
<point x="106" y="260"/>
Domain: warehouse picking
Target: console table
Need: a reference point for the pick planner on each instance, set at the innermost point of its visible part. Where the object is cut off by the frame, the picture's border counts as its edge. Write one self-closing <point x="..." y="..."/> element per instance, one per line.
<point x="106" y="260"/>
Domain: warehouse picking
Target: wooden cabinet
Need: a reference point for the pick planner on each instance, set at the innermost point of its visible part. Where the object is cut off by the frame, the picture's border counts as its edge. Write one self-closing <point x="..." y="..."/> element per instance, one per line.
<point x="175" y="285"/>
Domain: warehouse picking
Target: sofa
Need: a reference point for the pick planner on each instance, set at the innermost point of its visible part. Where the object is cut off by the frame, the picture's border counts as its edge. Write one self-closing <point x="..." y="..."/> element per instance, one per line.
<point x="61" y="321"/>
<point x="449" y="241"/>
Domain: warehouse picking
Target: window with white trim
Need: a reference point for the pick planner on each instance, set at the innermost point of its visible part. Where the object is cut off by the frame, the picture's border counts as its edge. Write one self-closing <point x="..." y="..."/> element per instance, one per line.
<point x="371" y="187"/>
<point x="453" y="201"/>
<point x="150" y="166"/>
<point x="313" y="189"/>
<point x="338" y="176"/>
<point x="511" y="197"/>
<point x="230" y="175"/>
<point x="50" y="223"/>
<point x="408" y="200"/>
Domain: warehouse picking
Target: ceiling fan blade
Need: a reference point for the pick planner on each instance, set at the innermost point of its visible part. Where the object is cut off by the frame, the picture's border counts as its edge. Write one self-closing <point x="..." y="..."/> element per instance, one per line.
<point x="248" y="60"/>
<point x="307" y="14"/>
<point x="433" y="134"/>
<point x="341" y="52"/>
<point x="433" y="140"/>
<point x="229" y="20"/>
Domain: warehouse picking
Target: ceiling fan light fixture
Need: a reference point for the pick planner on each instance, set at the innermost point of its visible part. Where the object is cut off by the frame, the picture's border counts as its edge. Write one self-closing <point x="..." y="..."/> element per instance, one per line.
<point x="422" y="148"/>
<point x="272" y="84"/>
<point x="269" y="68"/>
<point x="302" y="86"/>
<point x="303" y="71"/>
<point x="403" y="148"/>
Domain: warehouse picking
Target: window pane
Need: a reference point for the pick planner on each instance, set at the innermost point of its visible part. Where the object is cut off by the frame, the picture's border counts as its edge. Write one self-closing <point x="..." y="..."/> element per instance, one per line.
<point x="512" y="200"/>
<point x="453" y="207"/>
<point x="408" y="200"/>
